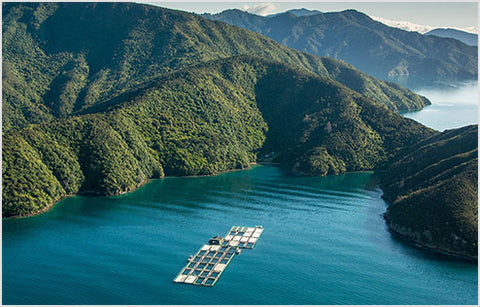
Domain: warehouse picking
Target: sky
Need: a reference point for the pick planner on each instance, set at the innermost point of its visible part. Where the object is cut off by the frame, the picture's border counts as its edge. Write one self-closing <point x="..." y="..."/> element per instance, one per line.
<point x="413" y="15"/>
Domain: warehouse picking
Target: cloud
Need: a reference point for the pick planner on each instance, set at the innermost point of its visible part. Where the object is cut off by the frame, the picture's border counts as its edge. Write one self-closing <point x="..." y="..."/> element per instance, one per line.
<point x="404" y="25"/>
<point x="409" y="26"/>
<point x="262" y="9"/>
<point x="473" y="30"/>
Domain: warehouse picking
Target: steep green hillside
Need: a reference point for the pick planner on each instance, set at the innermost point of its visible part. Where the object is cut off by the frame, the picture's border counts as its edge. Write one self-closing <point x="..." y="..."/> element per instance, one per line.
<point x="212" y="117"/>
<point x="432" y="188"/>
<point x="370" y="46"/>
<point x="62" y="58"/>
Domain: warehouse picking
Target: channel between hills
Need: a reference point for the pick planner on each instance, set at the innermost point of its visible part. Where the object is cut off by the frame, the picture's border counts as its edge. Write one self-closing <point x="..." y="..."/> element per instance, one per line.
<point x="168" y="93"/>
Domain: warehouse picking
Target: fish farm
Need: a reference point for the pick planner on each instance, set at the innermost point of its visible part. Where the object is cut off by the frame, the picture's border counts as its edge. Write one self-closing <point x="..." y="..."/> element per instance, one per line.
<point x="208" y="264"/>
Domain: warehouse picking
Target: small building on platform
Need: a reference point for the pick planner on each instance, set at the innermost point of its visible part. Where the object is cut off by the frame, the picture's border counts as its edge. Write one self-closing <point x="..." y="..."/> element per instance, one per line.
<point x="217" y="240"/>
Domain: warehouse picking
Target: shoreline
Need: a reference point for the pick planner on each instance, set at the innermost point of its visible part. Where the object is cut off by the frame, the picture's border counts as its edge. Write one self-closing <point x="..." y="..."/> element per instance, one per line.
<point x="425" y="247"/>
<point x="214" y="174"/>
<point x="98" y="194"/>
<point x="41" y="211"/>
<point x="407" y="239"/>
<point x="83" y="193"/>
<point x="132" y="189"/>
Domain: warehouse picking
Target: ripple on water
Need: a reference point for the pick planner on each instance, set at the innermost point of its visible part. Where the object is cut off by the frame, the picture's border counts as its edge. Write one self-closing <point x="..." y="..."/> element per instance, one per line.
<point x="325" y="242"/>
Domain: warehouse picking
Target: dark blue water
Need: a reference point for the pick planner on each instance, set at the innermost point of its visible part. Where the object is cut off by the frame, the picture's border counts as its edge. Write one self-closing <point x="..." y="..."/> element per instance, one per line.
<point x="453" y="105"/>
<point x="325" y="242"/>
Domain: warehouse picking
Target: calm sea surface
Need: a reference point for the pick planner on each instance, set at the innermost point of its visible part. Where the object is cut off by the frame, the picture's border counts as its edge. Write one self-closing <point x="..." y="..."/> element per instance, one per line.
<point x="325" y="241"/>
<point x="453" y="105"/>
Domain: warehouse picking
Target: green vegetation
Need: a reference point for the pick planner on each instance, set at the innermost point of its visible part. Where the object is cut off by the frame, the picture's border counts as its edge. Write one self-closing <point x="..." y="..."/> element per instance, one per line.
<point x="432" y="188"/>
<point x="100" y="97"/>
<point x="162" y="92"/>
<point x="60" y="59"/>
<point x="331" y="129"/>
<point x="370" y="46"/>
<point x="202" y="120"/>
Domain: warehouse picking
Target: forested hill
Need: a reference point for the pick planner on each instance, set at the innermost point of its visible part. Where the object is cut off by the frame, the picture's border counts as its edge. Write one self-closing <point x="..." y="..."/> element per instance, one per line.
<point x="432" y="188"/>
<point x="215" y="116"/>
<point x="62" y="58"/>
<point x="100" y="97"/>
<point x="370" y="46"/>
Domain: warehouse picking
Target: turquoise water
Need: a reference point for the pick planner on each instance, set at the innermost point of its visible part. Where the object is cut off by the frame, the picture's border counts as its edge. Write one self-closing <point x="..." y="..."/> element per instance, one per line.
<point x="325" y="242"/>
<point x="453" y="105"/>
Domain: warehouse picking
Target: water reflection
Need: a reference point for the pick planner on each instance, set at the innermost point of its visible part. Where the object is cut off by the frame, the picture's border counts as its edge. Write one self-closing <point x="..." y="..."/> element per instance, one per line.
<point x="454" y="105"/>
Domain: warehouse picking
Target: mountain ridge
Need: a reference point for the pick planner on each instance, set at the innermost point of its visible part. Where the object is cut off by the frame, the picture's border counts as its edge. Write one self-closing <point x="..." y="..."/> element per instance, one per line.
<point x="465" y="37"/>
<point x="55" y="71"/>
<point x="297" y="12"/>
<point x="382" y="51"/>
<point x="216" y="116"/>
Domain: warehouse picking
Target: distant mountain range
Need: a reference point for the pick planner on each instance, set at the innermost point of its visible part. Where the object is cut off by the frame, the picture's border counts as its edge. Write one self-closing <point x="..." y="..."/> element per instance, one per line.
<point x="404" y="25"/>
<point x="465" y="37"/>
<point x="369" y="45"/>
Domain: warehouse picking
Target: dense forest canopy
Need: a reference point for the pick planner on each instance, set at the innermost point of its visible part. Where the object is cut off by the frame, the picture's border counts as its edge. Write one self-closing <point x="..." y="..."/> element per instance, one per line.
<point x="432" y="187"/>
<point x="100" y="97"/>
<point x="216" y="116"/>
<point x="60" y="59"/>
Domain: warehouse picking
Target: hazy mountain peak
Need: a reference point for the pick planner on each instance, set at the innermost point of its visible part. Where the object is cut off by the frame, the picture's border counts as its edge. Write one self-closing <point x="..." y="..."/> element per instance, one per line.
<point x="298" y="12"/>
<point x="374" y="47"/>
<point x="465" y="37"/>
<point x="404" y="25"/>
<point x="353" y="15"/>
<point x="413" y="27"/>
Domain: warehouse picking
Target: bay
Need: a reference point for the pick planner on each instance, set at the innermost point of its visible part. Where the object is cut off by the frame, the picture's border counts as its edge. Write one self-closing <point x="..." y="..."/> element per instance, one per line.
<point x="454" y="105"/>
<point x="324" y="242"/>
